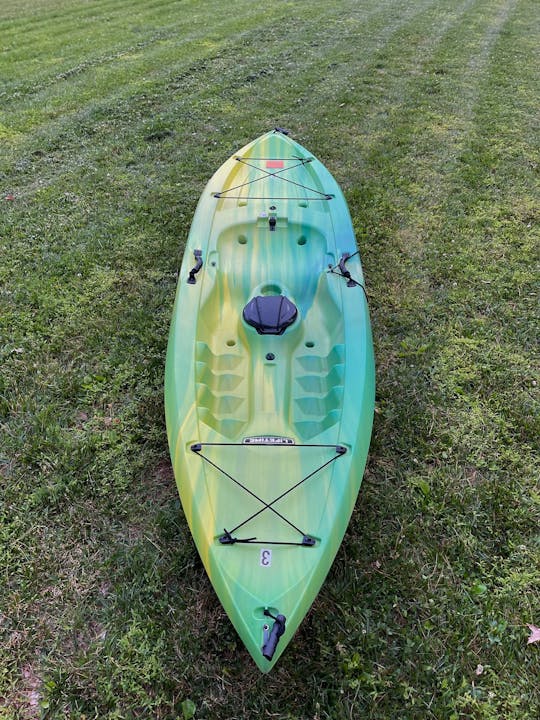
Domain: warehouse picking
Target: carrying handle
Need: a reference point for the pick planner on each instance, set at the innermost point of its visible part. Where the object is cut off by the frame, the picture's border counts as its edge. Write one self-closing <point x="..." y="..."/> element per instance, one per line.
<point x="271" y="640"/>
<point x="199" y="263"/>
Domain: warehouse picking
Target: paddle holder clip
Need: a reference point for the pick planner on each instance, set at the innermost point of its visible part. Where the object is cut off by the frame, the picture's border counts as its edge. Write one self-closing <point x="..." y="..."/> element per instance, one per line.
<point x="271" y="637"/>
<point x="198" y="265"/>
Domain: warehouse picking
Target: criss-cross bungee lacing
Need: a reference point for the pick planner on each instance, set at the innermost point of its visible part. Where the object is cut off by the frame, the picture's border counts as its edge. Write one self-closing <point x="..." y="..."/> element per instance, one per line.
<point x="319" y="195"/>
<point x="228" y="537"/>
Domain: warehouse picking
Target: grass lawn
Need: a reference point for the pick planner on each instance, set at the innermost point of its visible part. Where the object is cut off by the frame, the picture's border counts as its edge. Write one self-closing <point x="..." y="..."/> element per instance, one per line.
<point x="113" y="114"/>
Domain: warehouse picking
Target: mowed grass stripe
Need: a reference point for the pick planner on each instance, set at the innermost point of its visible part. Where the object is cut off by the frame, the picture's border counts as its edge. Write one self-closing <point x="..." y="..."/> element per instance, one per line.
<point x="222" y="73"/>
<point x="432" y="112"/>
<point x="67" y="16"/>
<point x="190" y="47"/>
<point x="388" y="76"/>
<point x="495" y="254"/>
<point x="118" y="34"/>
<point x="422" y="214"/>
<point x="217" y="68"/>
<point x="275" y="30"/>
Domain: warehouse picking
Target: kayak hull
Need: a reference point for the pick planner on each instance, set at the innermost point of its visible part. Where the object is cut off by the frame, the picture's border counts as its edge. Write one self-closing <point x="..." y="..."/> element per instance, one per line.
<point x="269" y="384"/>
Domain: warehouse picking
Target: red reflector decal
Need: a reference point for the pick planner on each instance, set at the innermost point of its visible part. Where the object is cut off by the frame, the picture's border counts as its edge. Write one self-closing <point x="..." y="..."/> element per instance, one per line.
<point x="274" y="164"/>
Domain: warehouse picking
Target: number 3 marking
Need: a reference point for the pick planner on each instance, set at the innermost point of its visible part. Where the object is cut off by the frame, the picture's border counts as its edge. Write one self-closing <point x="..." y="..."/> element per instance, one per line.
<point x="266" y="558"/>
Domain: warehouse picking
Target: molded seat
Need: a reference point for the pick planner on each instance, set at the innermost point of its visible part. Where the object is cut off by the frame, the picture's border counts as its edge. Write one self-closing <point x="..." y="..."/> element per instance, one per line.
<point x="270" y="314"/>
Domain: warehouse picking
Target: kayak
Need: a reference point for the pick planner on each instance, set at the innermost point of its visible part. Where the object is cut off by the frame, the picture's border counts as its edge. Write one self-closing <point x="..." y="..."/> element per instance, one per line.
<point x="269" y="385"/>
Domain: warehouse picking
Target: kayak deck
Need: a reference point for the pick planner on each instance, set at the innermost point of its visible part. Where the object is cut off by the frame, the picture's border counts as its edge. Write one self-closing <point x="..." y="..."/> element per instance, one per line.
<point x="269" y="384"/>
<point x="301" y="382"/>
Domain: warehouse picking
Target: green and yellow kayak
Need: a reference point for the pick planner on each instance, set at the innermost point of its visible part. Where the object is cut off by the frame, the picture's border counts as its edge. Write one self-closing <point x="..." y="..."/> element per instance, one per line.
<point x="269" y="387"/>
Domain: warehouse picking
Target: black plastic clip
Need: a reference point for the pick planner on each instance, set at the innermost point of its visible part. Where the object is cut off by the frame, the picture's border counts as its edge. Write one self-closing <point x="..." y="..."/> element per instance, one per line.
<point x="308" y="541"/>
<point x="228" y="539"/>
<point x="199" y="263"/>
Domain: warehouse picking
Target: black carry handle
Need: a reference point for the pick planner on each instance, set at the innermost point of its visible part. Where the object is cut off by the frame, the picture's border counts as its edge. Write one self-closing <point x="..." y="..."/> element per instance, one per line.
<point x="342" y="267"/>
<point x="345" y="272"/>
<point x="269" y="647"/>
<point x="198" y="266"/>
